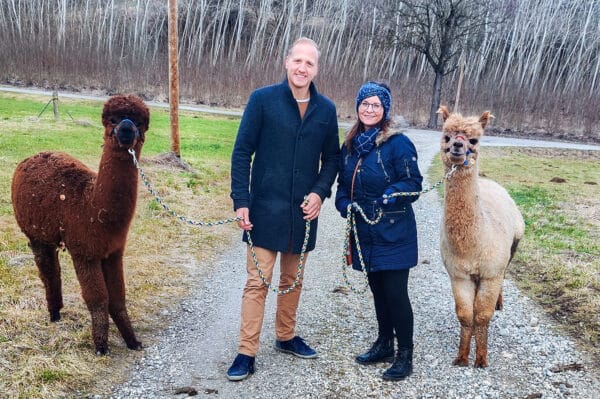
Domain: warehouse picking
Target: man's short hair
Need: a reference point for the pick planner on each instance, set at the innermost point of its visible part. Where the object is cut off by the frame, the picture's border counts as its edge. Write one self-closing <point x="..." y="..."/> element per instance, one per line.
<point x="306" y="40"/>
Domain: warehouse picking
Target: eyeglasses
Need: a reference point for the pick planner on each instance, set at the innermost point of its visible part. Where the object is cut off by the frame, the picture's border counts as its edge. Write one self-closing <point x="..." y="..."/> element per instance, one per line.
<point x="375" y="107"/>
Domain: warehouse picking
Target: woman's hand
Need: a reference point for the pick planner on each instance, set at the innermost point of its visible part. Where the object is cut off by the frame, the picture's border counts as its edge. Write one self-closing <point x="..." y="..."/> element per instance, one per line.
<point x="385" y="199"/>
<point x="311" y="206"/>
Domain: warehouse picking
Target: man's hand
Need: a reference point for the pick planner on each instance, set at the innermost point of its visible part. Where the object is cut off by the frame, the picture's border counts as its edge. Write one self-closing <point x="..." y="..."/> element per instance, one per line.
<point x="244" y="222"/>
<point x="311" y="206"/>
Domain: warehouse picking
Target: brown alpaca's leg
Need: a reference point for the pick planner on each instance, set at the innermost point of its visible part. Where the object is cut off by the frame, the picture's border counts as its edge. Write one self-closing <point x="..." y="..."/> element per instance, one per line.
<point x="46" y="259"/>
<point x="464" y="295"/>
<point x="487" y="295"/>
<point x="112" y="268"/>
<point x="95" y="295"/>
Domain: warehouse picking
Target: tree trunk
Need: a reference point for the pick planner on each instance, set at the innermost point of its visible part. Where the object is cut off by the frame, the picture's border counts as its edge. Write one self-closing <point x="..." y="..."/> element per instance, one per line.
<point x="435" y="100"/>
<point x="461" y="74"/>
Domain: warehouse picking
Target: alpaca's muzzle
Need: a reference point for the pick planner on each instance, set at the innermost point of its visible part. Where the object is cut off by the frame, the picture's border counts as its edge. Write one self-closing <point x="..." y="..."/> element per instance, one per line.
<point x="127" y="133"/>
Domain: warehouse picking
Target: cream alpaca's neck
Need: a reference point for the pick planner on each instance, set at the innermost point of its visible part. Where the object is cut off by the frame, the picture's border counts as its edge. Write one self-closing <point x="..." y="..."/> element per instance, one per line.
<point x="462" y="211"/>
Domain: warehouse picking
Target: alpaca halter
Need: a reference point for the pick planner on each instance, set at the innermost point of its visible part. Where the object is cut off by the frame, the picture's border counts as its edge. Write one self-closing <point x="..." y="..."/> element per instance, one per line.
<point x="467" y="162"/>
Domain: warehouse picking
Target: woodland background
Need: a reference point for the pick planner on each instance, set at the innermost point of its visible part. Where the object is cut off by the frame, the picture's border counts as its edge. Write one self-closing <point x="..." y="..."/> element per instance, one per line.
<point x="534" y="63"/>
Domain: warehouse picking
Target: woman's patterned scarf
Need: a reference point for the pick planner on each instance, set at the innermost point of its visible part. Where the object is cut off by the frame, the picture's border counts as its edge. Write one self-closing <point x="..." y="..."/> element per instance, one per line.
<point x="363" y="143"/>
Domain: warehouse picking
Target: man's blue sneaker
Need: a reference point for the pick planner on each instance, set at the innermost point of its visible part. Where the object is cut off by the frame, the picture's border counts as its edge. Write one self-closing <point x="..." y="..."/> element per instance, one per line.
<point x="241" y="367"/>
<point x="296" y="346"/>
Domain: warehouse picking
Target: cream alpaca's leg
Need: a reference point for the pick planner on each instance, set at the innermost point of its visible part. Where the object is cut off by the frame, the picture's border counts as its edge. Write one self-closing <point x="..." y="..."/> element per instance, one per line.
<point x="464" y="296"/>
<point x="485" y="304"/>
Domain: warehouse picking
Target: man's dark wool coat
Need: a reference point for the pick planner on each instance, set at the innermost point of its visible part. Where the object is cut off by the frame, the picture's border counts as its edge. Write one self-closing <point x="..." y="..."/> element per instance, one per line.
<point x="293" y="157"/>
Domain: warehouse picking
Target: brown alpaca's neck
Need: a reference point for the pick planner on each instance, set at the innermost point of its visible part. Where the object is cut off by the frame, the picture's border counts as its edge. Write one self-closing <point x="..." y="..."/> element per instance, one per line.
<point x="462" y="211"/>
<point x="114" y="193"/>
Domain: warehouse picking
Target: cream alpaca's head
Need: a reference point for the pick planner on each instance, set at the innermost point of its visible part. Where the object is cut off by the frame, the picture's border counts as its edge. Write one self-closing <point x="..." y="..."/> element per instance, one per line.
<point x="460" y="138"/>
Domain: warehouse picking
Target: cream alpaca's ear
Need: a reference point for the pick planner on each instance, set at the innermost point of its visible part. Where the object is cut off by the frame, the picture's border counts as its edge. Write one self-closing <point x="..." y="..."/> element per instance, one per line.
<point x="443" y="110"/>
<point x="484" y="119"/>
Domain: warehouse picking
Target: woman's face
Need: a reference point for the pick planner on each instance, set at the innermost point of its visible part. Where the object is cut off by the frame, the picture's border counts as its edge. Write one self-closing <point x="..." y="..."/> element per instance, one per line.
<point x="370" y="111"/>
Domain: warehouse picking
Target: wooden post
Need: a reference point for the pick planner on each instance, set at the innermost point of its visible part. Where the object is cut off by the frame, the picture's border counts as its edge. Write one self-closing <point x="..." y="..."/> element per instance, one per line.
<point x="55" y="105"/>
<point x="173" y="78"/>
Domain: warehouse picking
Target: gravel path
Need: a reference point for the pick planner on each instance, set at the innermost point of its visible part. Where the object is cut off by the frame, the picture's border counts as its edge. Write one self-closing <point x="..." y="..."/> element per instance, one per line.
<point x="196" y="350"/>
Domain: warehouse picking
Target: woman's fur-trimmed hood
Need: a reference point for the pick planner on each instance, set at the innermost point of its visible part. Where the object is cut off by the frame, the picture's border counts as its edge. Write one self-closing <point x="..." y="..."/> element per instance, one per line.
<point x="384" y="136"/>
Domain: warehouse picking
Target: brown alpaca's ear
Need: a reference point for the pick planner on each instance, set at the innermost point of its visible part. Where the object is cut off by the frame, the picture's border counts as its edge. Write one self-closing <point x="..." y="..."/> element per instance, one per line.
<point x="484" y="119"/>
<point x="443" y="110"/>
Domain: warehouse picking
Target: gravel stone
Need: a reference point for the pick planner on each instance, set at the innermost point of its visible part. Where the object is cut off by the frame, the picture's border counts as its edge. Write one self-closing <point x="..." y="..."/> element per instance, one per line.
<point x="200" y="344"/>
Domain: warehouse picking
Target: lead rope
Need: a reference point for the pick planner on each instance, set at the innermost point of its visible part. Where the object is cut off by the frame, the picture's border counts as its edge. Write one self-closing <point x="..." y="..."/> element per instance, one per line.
<point x="426" y="190"/>
<point x="351" y="224"/>
<point x="184" y="219"/>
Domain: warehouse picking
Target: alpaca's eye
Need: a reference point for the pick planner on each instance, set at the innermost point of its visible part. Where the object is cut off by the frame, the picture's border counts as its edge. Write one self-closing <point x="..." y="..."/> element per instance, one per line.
<point x="114" y="120"/>
<point x="447" y="138"/>
<point x="473" y="141"/>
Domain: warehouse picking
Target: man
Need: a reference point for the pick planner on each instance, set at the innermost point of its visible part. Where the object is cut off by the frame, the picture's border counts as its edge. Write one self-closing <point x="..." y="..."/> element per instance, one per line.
<point x="284" y="161"/>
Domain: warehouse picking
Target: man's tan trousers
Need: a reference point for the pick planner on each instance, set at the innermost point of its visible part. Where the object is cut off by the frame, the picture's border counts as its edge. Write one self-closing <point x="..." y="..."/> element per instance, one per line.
<point x="255" y="295"/>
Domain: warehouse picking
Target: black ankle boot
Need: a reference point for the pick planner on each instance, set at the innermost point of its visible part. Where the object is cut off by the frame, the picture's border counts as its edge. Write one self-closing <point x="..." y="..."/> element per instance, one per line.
<point x="402" y="366"/>
<point x="382" y="350"/>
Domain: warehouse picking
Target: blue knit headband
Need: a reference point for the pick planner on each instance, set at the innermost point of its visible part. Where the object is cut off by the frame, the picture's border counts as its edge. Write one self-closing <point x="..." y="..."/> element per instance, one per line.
<point x="371" y="89"/>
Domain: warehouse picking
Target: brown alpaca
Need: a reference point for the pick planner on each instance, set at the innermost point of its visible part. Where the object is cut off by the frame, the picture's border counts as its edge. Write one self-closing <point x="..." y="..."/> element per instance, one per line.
<point x="481" y="229"/>
<point x="60" y="203"/>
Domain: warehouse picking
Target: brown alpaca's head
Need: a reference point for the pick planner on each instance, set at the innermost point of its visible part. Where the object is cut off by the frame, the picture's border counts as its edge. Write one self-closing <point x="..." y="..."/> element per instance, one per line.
<point x="461" y="135"/>
<point x="126" y="120"/>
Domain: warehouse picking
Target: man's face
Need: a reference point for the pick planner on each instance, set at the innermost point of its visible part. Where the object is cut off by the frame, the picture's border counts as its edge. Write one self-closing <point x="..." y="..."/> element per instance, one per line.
<point x="302" y="65"/>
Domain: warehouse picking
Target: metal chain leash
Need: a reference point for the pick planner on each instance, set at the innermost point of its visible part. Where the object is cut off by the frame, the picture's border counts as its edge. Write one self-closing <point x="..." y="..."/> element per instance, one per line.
<point x="167" y="207"/>
<point x="300" y="264"/>
<point x="222" y="222"/>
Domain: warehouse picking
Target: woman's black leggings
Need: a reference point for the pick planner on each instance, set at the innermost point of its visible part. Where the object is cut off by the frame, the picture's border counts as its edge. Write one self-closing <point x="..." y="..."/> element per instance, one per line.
<point x="392" y="305"/>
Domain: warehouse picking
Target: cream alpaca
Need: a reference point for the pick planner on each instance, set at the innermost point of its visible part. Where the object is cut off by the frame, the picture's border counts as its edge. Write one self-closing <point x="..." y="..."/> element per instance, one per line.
<point x="481" y="229"/>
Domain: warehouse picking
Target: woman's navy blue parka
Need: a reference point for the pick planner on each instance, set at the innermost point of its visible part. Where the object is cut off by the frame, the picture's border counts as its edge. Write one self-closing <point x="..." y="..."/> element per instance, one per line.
<point x="391" y="244"/>
<point x="279" y="158"/>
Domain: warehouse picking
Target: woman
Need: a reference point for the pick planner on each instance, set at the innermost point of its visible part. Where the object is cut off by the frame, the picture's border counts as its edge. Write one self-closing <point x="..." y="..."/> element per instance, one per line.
<point x="376" y="162"/>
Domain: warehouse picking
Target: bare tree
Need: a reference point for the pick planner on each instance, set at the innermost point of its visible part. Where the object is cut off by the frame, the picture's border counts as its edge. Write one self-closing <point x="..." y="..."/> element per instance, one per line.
<point x="440" y="30"/>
